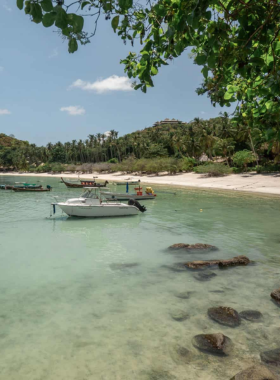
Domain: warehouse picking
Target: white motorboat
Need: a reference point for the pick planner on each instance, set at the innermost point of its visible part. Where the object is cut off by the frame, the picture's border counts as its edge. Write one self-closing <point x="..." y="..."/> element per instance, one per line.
<point x="90" y="204"/>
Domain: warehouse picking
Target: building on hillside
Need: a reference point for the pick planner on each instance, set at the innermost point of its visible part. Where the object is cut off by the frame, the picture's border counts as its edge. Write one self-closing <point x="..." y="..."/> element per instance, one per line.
<point x="168" y="121"/>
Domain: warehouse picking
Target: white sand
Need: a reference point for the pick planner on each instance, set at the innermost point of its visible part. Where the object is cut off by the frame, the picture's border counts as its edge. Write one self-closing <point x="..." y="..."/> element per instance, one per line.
<point x="248" y="182"/>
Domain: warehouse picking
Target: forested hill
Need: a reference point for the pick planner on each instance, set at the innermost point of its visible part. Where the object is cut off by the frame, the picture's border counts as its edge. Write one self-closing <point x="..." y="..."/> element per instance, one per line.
<point x="214" y="137"/>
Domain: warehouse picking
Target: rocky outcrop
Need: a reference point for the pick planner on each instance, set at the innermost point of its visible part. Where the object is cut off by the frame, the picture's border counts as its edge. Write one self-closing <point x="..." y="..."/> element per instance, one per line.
<point x="275" y="295"/>
<point x="204" y="276"/>
<point x="256" y="372"/>
<point x="251" y="315"/>
<point x="193" y="247"/>
<point x="225" y="316"/>
<point x="201" y="264"/>
<point x="271" y="357"/>
<point x="218" y="344"/>
<point x="179" y="315"/>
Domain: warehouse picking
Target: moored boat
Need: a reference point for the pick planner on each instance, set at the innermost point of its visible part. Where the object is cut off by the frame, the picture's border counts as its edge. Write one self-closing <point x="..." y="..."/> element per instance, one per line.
<point x="23" y="186"/>
<point x="84" y="184"/>
<point x="31" y="189"/>
<point x="139" y="195"/>
<point x="90" y="204"/>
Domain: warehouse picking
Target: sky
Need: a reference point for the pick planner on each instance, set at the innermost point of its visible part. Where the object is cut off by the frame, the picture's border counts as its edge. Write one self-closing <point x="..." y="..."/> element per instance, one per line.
<point x="49" y="95"/>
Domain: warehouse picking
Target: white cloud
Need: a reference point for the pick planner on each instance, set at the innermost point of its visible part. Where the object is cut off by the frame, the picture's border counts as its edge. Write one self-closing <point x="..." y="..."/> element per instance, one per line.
<point x="1" y="69"/>
<point x="6" y="6"/>
<point x="202" y="112"/>
<point x="73" y="110"/>
<point x="53" y="54"/>
<point x="112" y="83"/>
<point x="4" y="112"/>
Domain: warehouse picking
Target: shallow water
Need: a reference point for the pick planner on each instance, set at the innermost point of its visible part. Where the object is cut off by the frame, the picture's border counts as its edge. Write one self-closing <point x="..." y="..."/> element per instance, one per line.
<point x="69" y="312"/>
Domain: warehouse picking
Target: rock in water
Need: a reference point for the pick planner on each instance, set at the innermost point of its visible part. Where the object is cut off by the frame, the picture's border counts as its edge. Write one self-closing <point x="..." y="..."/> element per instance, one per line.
<point x="204" y="276"/>
<point x="218" y="344"/>
<point x="251" y="315"/>
<point x="276" y="296"/>
<point x="179" y="315"/>
<point x="257" y="372"/>
<point x="271" y="357"/>
<point x="183" y="295"/>
<point x="193" y="247"/>
<point x="122" y="266"/>
<point x="225" y="316"/>
<point x="180" y="354"/>
<point x="235" y="261"/>
<point x="177" y="267"/>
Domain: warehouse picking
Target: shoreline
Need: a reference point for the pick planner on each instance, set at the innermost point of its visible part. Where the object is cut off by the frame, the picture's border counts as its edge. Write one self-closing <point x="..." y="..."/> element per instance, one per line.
<point x="246" y="182"/>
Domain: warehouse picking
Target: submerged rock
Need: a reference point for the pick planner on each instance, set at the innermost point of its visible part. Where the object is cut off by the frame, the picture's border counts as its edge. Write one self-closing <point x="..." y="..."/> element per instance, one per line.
<point x="275" y="295"/>
<point x="201" y="264"/>
<point x="158" y="374"/>
<point x="218" y="344"/>
<point x="179" y="315"/>
<point x="225" y="316"/>
<point x="177" y="267"/>
<point x="256" y="372"/>
<point x="193" y="247"/>
<point x="121" y="266"/>
<point x="183" y="295"/>
<point x="204" y="276"/>
<point x="251" y="315"/>
<point x="271" y="357"/>
<point x="180" y="354"/>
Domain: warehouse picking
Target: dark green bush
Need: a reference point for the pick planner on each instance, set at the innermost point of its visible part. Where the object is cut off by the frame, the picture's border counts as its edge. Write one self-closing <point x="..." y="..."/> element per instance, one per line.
<point x="213" y="170"/>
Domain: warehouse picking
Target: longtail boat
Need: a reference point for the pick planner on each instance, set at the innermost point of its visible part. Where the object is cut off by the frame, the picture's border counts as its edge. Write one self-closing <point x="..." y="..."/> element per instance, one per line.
<point x="23" y="186"/>
<point x="84" y="184"/>
<point x="31" y="189"/>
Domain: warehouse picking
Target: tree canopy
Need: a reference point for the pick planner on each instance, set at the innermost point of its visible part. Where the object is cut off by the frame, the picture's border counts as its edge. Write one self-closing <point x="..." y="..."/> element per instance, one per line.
<point x="236" y="43"/>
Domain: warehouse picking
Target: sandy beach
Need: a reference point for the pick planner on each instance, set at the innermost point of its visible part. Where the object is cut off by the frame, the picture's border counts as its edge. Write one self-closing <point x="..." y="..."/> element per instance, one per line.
<point x="246" y="182"/>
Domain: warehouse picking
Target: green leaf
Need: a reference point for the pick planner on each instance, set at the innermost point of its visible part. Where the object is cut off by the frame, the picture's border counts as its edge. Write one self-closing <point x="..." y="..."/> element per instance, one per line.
<point x="269" y="104"/>
<point x="250" y="93"/>
<point x="115" y="23"/>
<point x="84" y="3"/>
<point x="36" y="13"/>
<point x="144" y="89"/>
<point x="228" y="95"/>
<point x="20" y="4"/>
<point x="47" y="5"/>
<point x="61" y="18"/>
<point x="76" y="21"/>
<point x="48" y="19"/>
<point x="27" y="8"/>
<point x="72" y="45"/>
<point x="154" y="70"/>
<point x="256" y="61"/>
<point x="137" y="86"/>
<point x="200" y="59"/>
<point x="208" y="15"/>
<point x="205" y="72"/>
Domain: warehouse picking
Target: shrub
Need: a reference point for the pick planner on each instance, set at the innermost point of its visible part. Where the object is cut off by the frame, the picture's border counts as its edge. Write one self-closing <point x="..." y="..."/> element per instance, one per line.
<point x="113" y="161"/>
<point x="243" y="158"/>
<point x="213" y="170"/>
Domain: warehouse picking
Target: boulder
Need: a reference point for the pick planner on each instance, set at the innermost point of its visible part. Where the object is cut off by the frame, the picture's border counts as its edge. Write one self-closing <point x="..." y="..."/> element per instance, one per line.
<point x="179" y="315"/>
<point x="193" y="247"/>
<point x="225" y="316"/>
<point x="251" y="315"/>
<point x="180" y="354"/>
<point x="201" y="264"/>
<point x="275" y="295"/>
<point x="176" y="267"/>
<point x="271" y="357"/>
<point x="204" y="276"/>
<point x="122" y="266"/>
<point x="256" y="372"/>
<point x="218" y="344"/>
<point x="183" y="295"/>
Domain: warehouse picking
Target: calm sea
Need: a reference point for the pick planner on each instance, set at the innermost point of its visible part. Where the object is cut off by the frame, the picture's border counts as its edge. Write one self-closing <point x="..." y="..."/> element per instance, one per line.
<point x="84" y="299"/>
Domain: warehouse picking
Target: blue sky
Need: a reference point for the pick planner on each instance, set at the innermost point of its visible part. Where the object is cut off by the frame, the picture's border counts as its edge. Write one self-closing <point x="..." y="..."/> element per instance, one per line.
<point x="39" y="103"/>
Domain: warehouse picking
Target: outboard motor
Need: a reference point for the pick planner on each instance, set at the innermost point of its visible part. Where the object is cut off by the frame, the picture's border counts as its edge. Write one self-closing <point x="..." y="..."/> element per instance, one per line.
<point x="133" y="202"/>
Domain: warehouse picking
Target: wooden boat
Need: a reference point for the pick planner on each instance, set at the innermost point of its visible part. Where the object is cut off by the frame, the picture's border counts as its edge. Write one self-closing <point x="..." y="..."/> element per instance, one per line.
<point x="139" y="195"/>
<point x="23" y="186"/>
<point x="31" y="189"/>
<point x="84" y="184"/>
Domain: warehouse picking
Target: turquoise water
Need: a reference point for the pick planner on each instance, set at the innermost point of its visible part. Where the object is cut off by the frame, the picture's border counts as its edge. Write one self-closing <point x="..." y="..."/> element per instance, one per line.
<point x="68" y="311"/>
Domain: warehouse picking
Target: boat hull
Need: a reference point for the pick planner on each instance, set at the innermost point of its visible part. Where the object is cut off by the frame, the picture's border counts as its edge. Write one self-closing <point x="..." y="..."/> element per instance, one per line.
<point x="98" y="211"/>
<point x="126" y="197"/>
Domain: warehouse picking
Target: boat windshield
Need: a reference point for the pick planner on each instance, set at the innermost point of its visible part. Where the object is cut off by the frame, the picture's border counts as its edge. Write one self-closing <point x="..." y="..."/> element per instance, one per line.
<point x="89" y="194"/>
